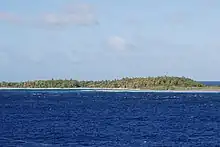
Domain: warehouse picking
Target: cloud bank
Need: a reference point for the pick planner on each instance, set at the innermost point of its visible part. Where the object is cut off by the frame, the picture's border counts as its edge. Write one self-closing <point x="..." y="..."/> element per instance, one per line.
<point x="72" y="15"/>
<point x="80" y="14"/>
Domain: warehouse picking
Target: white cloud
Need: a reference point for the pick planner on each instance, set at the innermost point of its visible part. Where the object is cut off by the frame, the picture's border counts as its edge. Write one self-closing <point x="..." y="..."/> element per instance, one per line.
<point x="119" y="43"/>
<point x="82" y="14"/>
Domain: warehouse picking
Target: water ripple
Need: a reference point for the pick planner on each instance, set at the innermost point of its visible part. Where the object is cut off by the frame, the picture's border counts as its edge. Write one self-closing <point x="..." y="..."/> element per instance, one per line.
<point x="97" y="118"/>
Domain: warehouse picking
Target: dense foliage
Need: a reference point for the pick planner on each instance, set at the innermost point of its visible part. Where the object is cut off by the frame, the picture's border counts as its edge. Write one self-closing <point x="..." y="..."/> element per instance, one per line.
<point x="163" y="82"/>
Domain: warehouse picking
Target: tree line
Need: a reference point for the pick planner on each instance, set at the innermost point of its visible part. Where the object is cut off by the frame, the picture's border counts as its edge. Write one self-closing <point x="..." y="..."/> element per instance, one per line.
<point x="163" y="82"/>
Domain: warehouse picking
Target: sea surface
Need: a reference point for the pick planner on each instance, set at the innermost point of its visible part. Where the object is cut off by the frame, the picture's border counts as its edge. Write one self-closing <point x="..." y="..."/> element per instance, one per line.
<point x="78" y="118"/>
<point x="210" y="83"/>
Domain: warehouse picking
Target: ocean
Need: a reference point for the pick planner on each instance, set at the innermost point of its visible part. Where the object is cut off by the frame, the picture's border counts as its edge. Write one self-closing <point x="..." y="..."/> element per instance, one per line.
<point x="77" y="118"/>
<point x="210" y="83"/>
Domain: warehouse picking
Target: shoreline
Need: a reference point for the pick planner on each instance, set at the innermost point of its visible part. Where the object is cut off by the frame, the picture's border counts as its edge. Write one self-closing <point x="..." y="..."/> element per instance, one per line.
<point x="65" y="88"/>
<point x="202" y="90"/>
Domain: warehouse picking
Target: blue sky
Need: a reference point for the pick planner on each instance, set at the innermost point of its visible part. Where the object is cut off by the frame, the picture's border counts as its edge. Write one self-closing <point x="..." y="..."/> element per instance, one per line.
<point x="97" y="39"/>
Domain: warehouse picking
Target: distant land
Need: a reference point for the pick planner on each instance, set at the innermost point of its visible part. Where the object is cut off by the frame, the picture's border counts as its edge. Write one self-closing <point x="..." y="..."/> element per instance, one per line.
<point x="142" y="83"/>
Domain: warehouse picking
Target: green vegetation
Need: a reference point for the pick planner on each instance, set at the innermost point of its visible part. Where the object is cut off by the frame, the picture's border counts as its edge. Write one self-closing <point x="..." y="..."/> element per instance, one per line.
<point x="156" y="83"/>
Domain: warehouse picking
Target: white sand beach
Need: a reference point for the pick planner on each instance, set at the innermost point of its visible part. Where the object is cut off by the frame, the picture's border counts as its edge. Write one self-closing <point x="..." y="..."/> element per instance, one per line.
<point x="117" y="90"/>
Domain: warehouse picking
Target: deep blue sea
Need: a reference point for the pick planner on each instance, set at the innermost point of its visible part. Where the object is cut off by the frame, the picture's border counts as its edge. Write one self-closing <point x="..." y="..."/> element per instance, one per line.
<point x="210" y="83"/>
<point x="75" y="118"/>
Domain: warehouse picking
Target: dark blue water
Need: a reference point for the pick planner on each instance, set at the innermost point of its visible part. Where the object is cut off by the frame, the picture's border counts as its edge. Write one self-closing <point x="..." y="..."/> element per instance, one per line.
<point x="108" y="119"/>
<point x="210" y="83"/>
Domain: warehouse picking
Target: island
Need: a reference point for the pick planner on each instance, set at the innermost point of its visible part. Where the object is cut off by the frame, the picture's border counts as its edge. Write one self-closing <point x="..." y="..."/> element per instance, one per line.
<point x="142" y="83"/>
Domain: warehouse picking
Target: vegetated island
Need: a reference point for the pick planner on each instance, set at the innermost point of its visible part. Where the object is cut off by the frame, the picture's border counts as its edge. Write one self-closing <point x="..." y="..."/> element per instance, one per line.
<point x="148" y="83"/>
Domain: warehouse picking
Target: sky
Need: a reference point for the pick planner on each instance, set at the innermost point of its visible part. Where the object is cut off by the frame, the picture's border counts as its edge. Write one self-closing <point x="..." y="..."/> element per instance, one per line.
<point x="99" y="39"/>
